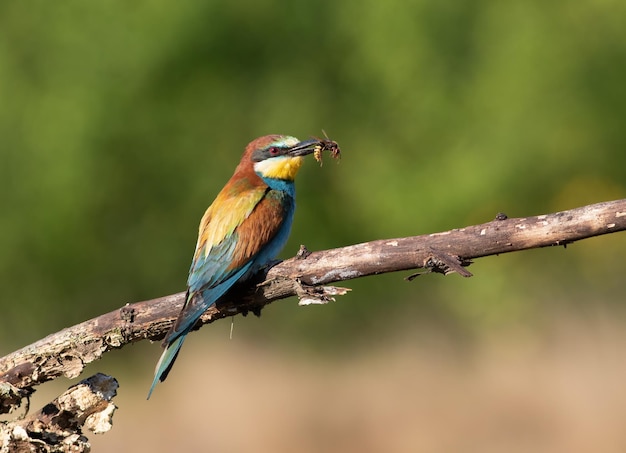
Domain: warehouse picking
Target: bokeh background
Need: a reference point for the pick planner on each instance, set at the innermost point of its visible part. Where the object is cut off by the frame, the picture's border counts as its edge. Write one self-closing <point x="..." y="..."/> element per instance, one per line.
<point x="120" y="121"/>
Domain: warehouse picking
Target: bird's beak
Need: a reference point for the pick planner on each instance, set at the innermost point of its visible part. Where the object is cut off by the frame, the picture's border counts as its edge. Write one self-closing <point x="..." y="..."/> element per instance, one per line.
<point x="304" y="148"/>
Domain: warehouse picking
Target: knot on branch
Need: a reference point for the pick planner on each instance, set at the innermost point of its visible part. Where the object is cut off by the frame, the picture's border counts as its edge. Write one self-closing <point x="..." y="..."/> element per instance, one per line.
<point x="443" y="263"/>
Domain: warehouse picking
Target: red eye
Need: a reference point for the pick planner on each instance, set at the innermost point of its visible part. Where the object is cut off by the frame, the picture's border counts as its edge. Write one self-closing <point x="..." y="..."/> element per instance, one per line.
<point x="274" y="151"/>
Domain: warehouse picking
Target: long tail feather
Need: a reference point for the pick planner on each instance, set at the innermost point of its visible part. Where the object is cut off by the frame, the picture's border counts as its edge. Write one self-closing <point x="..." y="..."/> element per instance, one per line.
<point x="166" y="362"/>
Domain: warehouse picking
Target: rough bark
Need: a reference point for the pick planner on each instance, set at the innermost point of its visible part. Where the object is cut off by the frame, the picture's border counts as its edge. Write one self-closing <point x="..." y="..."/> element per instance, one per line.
<point x="58" y="426"/>
<point x="305" y="276"/>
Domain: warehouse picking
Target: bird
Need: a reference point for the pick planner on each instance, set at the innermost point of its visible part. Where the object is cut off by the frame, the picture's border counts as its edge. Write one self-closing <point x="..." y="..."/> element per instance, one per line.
<point x="242" y="231"/>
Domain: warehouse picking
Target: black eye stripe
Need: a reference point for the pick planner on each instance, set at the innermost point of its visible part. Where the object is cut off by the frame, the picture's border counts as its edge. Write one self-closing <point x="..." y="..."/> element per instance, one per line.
<point x="268" y="152"/>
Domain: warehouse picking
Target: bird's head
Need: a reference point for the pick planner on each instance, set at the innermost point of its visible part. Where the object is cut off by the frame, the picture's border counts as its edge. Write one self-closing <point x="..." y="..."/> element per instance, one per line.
<point x="278" y="156"/>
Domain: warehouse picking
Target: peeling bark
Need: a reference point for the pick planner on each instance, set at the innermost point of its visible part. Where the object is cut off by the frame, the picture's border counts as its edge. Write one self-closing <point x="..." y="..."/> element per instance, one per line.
<point x="58" y="426"/>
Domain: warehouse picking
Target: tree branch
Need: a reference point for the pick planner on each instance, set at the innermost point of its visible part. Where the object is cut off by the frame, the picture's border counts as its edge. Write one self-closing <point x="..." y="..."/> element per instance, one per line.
<point x="306" y="276"/>
<point x="58" y="427"/>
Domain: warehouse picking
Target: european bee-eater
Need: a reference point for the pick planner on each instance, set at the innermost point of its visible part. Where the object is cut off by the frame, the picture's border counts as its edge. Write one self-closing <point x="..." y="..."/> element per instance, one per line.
<point x="243" y="230"/>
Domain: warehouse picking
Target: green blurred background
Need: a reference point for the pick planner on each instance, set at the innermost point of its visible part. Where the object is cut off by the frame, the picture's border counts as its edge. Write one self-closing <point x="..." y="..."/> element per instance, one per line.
<point x="120" y="121"/>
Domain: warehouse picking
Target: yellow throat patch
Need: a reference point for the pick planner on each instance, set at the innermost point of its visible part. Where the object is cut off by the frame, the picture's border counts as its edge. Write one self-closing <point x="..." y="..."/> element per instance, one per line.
<point x="283" y="167"/>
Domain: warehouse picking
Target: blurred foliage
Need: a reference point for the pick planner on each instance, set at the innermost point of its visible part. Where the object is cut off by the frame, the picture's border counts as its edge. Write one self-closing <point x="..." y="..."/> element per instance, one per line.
<point x="120" y="121"/>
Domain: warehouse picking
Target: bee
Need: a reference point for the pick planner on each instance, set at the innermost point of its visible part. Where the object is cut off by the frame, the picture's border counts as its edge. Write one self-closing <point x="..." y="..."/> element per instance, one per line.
<point x="326" y="144"/>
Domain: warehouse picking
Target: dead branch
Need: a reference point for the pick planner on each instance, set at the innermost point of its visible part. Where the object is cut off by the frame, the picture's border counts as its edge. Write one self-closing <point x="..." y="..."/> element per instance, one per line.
<point x="58" y="427"/>
<point x="306" y="276"/>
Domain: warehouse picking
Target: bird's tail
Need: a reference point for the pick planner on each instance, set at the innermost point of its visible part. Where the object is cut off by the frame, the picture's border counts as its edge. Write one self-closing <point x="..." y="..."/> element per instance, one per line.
<point x="165" y="363"/>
